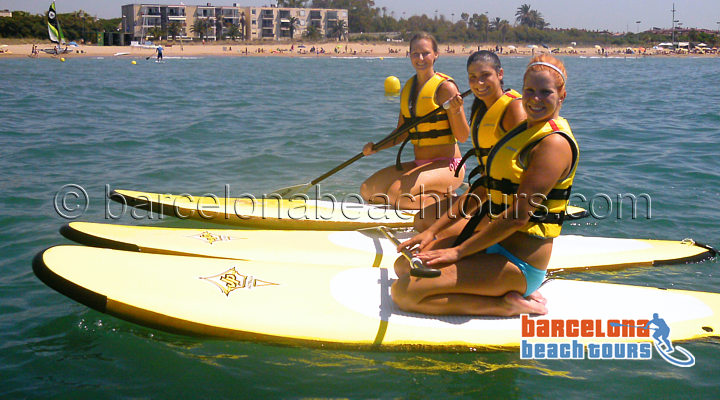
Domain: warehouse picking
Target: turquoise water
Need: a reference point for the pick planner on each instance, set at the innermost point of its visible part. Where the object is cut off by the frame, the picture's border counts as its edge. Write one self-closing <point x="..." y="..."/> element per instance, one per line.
<point x="645" y="126"/>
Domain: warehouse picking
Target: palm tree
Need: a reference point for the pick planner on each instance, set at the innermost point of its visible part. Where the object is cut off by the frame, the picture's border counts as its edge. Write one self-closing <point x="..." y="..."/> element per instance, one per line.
<point x="174" y="29"/>
<point x="503" y="28"/>
<point x="233" y="31"/>
<point x="242" y="26"/>
<point x="522" y="14"/>
<point x="156" y="32"/>
<point x="294" y="23"/>
<point x="312" y="32"/>
<point x="338" y="30"/>
<point x="495" y="24"/>
<point x="291" y="3"/>
<point x="200" y="27"/>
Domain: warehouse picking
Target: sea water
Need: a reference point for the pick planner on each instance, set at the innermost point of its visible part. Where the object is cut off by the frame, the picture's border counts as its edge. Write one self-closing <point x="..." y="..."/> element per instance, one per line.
<point x="648" y="127"/>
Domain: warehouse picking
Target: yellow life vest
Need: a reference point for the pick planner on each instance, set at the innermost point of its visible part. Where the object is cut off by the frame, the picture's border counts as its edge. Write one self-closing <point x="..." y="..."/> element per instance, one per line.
<point x="437" y="130"/>
<point x="486" y="129"/>
<point x="506" y="164"/>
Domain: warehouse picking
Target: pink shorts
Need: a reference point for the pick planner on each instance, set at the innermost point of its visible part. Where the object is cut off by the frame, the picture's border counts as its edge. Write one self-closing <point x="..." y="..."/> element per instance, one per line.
<point x="453" y="162"/>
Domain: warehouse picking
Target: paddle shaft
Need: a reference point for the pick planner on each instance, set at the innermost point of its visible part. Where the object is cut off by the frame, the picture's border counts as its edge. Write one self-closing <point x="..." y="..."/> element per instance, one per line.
<point x="392" y="136"/>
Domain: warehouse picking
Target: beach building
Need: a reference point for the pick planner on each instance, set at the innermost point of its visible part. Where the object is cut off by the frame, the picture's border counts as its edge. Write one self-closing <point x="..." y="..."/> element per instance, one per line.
<point x="142" y="21"/>
<point x="6" y="13"/>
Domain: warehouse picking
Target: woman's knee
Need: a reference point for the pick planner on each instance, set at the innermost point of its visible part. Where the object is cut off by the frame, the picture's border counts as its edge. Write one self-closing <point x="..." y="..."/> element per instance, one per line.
<point x="402" y="267"/>
<point x="400" y="295"/>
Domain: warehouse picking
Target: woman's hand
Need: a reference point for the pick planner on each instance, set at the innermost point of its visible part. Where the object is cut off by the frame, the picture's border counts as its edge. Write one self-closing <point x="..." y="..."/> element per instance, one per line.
<point x="455" y="104"/>
<point x="421" y="240"/>
<point x="440" y="256"/>
<point x="368" y="149"/>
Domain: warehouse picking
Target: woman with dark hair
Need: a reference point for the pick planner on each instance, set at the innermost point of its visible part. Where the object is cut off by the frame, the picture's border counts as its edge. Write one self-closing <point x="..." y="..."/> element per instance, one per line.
<point x="432" y="175"/>
<point x="495" y="111"/>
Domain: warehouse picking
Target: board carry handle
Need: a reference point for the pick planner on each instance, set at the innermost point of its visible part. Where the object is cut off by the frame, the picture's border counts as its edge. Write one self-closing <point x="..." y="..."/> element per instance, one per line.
<point x="417" y="268"/>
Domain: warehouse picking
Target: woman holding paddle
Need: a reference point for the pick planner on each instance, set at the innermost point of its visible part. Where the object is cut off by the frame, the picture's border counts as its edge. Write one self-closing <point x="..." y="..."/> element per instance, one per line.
<point x="419" y="183"/>
<point x="499" y="260"/>
<point x="495" y="111"/>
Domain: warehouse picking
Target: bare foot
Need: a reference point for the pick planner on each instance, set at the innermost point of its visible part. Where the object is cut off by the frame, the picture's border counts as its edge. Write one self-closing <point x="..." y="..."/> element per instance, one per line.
<point x="516" y="304"/>
<point x="537" y="296"/>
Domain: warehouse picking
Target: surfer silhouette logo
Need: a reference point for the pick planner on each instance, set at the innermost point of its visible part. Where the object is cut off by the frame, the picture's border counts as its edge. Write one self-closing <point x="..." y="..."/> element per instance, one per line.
<point x="663" y="345"/>
<point x="662" y="331"/>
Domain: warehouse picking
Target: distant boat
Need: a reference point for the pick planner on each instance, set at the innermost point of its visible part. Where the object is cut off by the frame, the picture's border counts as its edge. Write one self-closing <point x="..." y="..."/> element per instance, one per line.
<point x="55" y="33"/>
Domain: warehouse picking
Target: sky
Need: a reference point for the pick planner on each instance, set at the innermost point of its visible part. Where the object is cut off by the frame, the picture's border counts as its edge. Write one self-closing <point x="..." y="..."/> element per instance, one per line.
<point x="612" y="15"/>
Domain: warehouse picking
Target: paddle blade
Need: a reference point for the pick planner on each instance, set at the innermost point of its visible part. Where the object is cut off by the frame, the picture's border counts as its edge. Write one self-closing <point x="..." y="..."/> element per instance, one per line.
<point x="288" y="192"/>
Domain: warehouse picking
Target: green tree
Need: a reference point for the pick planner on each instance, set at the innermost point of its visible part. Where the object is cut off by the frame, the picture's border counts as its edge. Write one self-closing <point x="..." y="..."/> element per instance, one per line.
<point x="522" y="15"/>
<point x="156" y="32"/>
<point x="294" y="23"/>
<point x="174" y="30"/>
<point x="338" y="30"/>
<point x="312" y="32"/>
<point x="292" y="3"/>
<point x="233" y="31"/>
<point x="200" y="27"/>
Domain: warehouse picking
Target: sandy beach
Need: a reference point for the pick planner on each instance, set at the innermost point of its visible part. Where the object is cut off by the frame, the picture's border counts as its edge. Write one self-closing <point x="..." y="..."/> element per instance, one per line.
<point x="305" y="49"/>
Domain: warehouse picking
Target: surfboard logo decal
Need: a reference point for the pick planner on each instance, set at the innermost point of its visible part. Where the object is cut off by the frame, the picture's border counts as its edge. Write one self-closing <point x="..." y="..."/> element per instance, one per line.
<point x="211" y="238"/>
<point x="231" y="280"/>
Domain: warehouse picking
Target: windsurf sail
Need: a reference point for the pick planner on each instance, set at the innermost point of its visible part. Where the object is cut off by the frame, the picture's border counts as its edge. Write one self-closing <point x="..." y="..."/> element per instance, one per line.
<point x="54" y="30"/>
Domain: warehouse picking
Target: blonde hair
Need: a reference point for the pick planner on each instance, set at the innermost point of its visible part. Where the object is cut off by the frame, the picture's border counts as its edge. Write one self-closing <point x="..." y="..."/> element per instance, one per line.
<point x="536" y="64"/>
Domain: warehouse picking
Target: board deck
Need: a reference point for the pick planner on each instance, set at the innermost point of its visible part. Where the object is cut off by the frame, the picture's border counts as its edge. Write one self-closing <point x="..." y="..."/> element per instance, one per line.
<point x="342" y="307"/>
<point x="270" y="212"/>
<point x="363" y="248"/>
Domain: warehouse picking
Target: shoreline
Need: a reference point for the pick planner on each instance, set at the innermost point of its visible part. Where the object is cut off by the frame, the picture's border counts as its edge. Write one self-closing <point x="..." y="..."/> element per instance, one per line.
<point x="334" y="49"/>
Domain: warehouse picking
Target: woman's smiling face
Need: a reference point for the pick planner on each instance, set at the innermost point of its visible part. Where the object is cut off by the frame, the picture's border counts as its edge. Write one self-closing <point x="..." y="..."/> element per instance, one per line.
<point x="484" y="80"/>
<point x="541" y="98"/>
<point x="422" y="54"/>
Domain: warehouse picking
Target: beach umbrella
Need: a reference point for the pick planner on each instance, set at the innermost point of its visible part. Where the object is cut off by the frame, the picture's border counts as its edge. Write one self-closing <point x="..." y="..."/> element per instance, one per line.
<point x="511" y="47"/>
<point x="573" y="43"/>
<point x="598" y="47"/>
<point x="702" y="45"/>
<point x="532" y="46"/>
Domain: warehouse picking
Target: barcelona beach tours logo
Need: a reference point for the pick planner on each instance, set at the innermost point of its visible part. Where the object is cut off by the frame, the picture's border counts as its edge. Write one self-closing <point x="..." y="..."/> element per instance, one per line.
<point x="598" y="339"/>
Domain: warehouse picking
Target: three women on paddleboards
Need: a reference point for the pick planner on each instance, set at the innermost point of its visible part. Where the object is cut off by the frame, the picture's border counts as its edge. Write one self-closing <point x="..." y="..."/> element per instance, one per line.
<point x="431" y="176"/>
<point x="497" y="263"/>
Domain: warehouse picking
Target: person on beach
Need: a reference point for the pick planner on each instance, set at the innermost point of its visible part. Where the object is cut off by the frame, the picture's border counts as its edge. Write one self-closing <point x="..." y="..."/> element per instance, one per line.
<point x="418" y="183"/>
<point x="494" y="112"/>
<point x="159" y="50"/>
<point x="496" y="265"/>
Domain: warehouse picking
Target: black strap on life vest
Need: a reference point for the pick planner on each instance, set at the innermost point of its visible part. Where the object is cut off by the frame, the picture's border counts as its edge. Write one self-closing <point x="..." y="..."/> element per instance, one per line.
<point x="422" y="135"/>
<point x="496" y="209"/>
<point x="474" y="221"/>
<point x="507" y="187"/>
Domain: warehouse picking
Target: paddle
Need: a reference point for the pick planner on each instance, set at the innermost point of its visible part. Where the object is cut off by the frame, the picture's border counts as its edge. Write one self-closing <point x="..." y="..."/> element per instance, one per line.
<point x="302" y="188"/>
<point x="416" y="266"/>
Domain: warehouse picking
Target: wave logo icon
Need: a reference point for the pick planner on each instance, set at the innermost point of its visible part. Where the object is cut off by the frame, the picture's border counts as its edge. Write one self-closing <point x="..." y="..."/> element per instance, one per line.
<point x="663" y="345"/>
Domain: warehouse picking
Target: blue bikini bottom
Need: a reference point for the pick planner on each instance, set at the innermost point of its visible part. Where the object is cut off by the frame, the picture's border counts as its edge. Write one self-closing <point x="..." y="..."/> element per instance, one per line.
<point x="533" y="277"/>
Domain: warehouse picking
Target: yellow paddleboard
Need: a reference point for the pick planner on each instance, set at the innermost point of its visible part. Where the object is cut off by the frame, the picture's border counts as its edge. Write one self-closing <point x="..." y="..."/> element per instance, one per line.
<point x="341" y="307"/>
<point x="363" y="248"/>
<point x="269" y="212"/>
